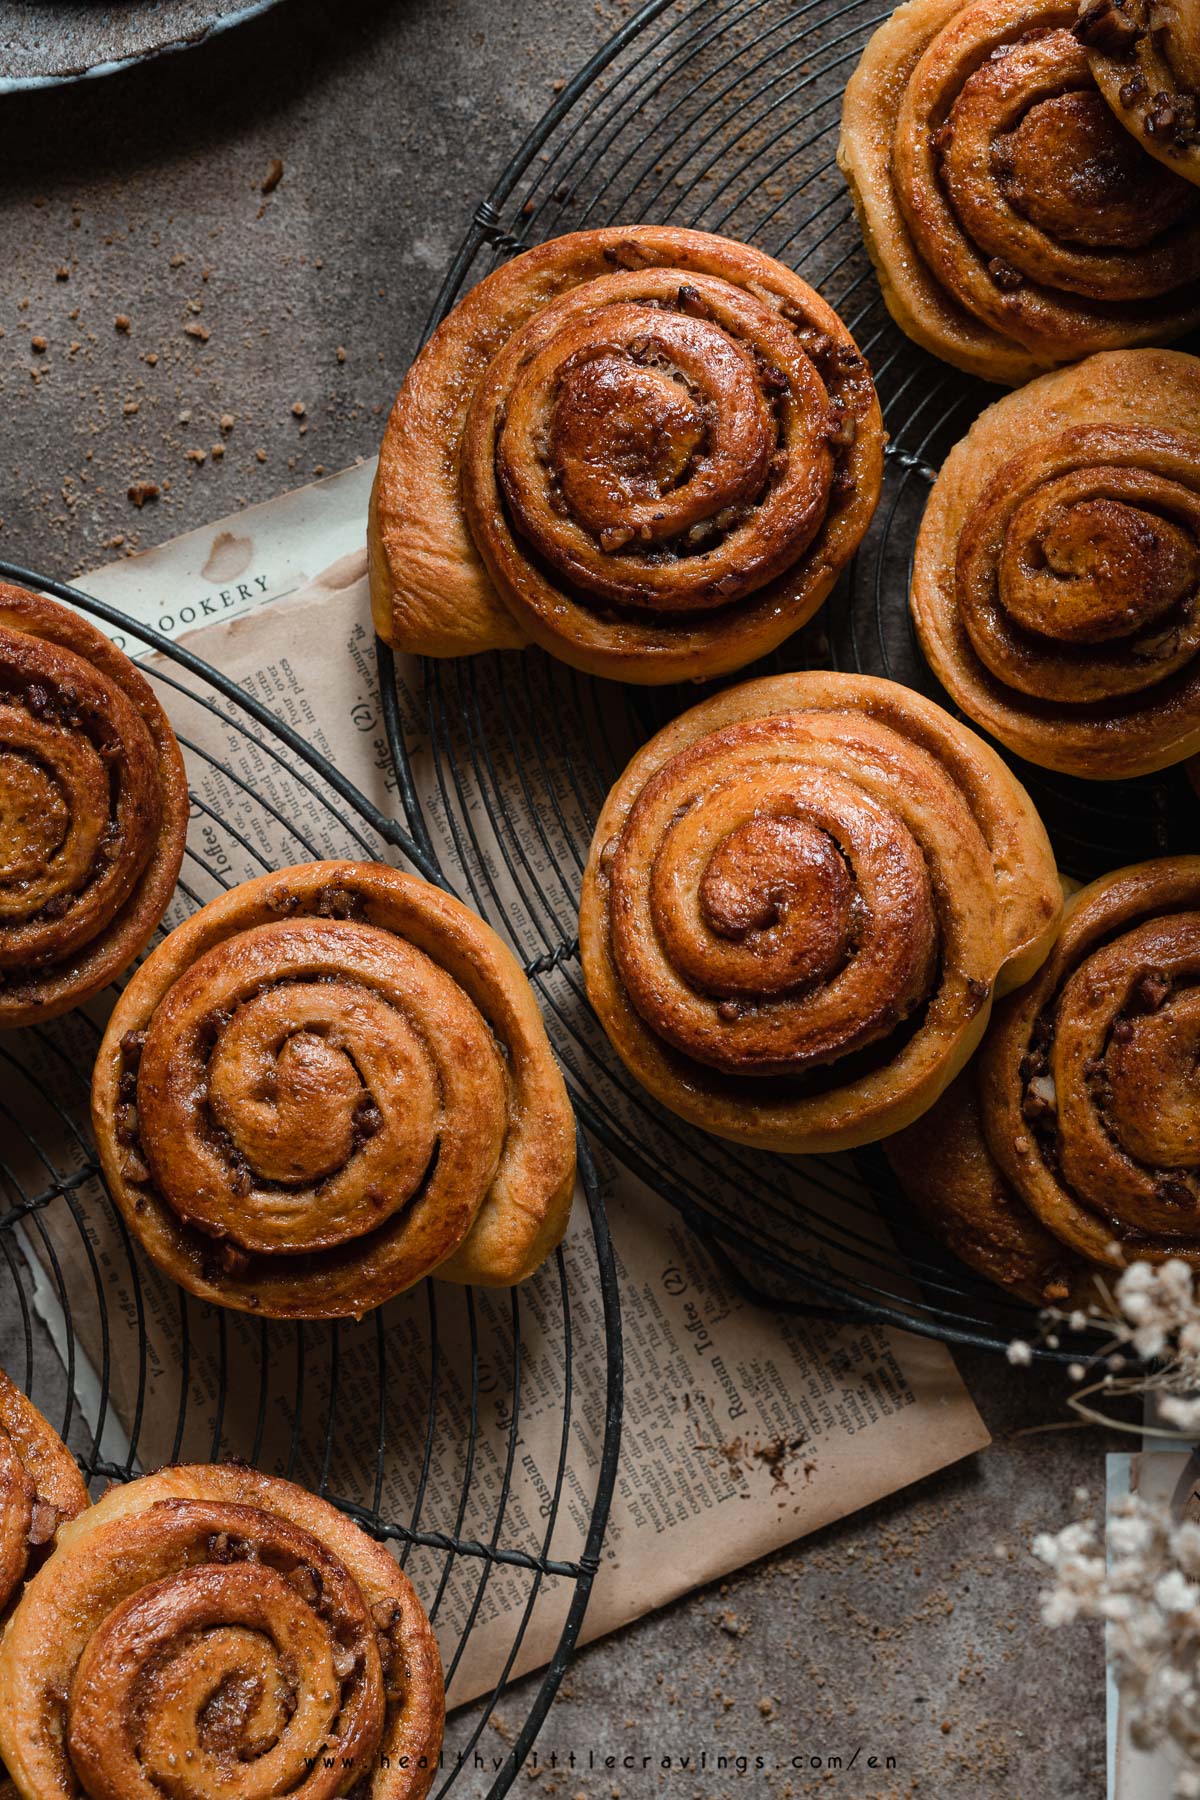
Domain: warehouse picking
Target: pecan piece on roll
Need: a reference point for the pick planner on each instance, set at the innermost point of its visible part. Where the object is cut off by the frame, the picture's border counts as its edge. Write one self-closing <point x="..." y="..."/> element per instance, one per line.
<point x="1144" y="56"/>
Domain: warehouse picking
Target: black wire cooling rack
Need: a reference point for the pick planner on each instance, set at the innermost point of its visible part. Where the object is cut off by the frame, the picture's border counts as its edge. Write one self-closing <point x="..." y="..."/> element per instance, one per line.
<point x="720" y="114"/>
<point x="431" y="1385"/>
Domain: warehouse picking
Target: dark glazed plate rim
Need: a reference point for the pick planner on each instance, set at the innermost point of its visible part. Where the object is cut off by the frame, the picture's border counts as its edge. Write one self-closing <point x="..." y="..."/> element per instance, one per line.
<point x="174" y="35"/>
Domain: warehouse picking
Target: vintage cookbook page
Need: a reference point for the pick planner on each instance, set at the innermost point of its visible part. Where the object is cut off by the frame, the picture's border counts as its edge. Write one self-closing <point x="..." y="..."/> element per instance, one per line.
<point x="745" y="1427"/>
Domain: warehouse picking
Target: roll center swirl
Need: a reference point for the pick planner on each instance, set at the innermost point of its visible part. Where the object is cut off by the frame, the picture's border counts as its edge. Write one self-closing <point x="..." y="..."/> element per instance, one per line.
<point x="770" y="913"/>
<point x="305" y="1082"/>
<point x="244" y="1662"/>
<point x="624" y="434"/>
<point x="1051" y="189"/>
<point x="653" y="431"/>
<point x="1111" y="1080"/>
<point x="34" y="818"/>
<point x="1070" y="168"/>
<point x="56" y="808"/>
<point x="1078" y="568"/>
<point x="780" y="887"/>
<point x="285" y="1087"/>
<point x="665" y="443"/>
<point x="1086" y="566"/>
<point x="218" y="1653"/>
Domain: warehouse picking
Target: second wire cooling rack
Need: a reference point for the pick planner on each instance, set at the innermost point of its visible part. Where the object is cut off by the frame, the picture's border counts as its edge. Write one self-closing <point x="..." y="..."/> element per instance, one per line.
<point x="418" y="1420"/>
<point x="723" y="115"/>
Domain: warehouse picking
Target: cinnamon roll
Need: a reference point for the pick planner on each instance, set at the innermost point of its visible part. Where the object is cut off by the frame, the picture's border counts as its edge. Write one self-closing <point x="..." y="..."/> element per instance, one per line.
<point x="1013" y="223"/>
<point x="646" y="449"/>
<point x="93" y="809"/>
<point x="1074" y="1141"/>
<point x="1145" y="59"/>
<point x="40" y="1486"/>
<point x="327" y="1084"/>
<point x="1056" y="583"/>
<point x="209" y="1631"/>
<point x="958" y="1192"/>
<point x="800" y="901"/>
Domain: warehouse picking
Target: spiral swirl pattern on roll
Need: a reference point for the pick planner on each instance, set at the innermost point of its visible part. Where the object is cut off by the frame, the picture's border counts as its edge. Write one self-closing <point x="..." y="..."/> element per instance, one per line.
<point x="324" y="1086"/>
<point x="1014" y="223"/>
<point x="648" y="450"/>
<point x="40" y="1486"/>
<point x="1145" y="58"/>
<point x="800" y="900"/>
<point x="1089" y="1083"/>
<point x="93" y="809"/>
<point x="209" y="1631"/>
<point x="1056" y="586"/>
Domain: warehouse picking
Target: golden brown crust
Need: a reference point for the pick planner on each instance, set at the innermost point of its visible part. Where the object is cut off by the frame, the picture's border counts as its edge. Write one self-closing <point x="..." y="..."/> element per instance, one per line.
<point x="93" y="809"/>
<point x="40" y="1486"/>
<point x="647" y="449"/>
<point x="955" y="1186"/>
<point x="964" y="131"/>
<point x="800" y="899"/>
<point x="231" y="1620"/>
<point x="1087" y="1077"/>
<point x="1145" y="59"/>
<point x="327" y="1084"/>
<point x="1056" y="581"/>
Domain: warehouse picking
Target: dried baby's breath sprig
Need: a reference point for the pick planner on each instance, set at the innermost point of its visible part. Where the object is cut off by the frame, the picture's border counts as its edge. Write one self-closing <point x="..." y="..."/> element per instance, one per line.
<point x="1147" y="1593"/>
<point x="1147" y="1328"/>
<point x="1143" y="1581"/>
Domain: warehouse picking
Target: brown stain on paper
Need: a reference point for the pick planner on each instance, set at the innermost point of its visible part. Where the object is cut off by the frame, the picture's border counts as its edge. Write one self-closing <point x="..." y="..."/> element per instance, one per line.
<point x="229" y="557"/>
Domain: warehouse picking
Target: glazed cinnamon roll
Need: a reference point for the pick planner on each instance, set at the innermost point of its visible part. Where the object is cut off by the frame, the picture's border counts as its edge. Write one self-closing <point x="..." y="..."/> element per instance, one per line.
<point x="648" y="450"/>
<point x="209" y="1631"/>
<point x="1013" y="223"/>
<point x="1145" y="59"/>
<point x="800" y="900"/>
<point x="326" y="1085"/>
<point x="93" y="809"/>
<point x="40" y="1486"/>
<point x="1056" y="583"/>
<point x="1076" y="1135"/>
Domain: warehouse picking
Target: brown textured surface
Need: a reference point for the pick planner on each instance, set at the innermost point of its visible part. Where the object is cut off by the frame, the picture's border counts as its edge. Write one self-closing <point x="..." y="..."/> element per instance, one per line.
<point x="324" y="1085"/>
<point x="1058" y="564"/>
<point x="1013" y="224"/>
<point x="896" y="830"/>
<point x="485" y="529"/>
<point x="93" y="809"/>
<point x="229" y="1620"/>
